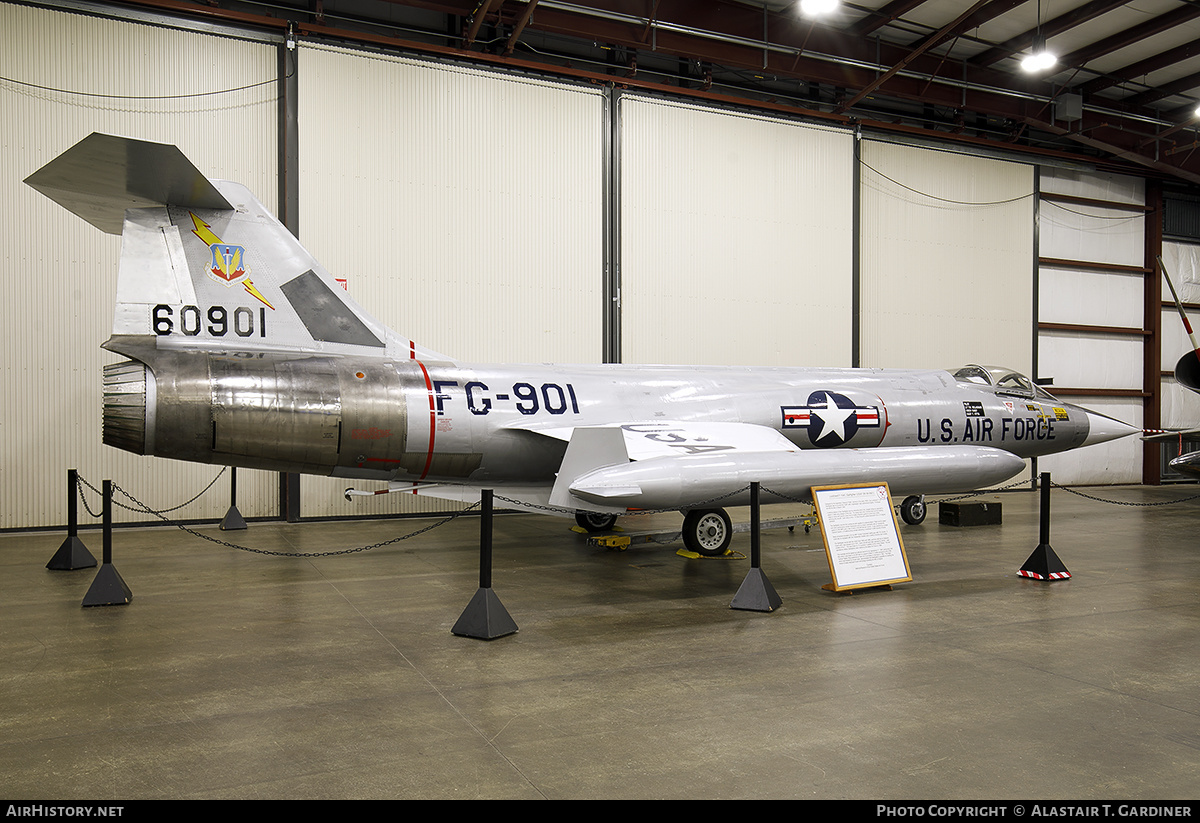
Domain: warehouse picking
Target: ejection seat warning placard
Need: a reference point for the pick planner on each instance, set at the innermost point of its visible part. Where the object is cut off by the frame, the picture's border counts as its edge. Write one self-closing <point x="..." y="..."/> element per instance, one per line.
<point x="862" y="541"/>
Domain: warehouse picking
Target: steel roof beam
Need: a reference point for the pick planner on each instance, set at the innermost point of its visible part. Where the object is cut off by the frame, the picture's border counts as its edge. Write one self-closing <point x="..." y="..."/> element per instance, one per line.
<point x="1060" y="24"/>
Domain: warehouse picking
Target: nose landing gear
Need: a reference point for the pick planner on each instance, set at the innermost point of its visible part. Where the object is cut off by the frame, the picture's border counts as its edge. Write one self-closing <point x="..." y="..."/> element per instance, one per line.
<point x="912" y="510"/>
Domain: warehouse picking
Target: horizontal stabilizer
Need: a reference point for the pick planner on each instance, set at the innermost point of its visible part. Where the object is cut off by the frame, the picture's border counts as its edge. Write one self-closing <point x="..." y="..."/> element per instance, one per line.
<point x="101" y="176"/>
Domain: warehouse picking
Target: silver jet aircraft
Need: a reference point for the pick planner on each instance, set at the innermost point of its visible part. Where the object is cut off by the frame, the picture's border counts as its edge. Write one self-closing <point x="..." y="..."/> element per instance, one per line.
<point x="244" y="351"/>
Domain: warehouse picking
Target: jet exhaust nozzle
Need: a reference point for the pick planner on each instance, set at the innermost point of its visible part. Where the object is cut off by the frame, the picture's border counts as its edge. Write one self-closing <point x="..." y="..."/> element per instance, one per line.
<point x="126" y="387"/>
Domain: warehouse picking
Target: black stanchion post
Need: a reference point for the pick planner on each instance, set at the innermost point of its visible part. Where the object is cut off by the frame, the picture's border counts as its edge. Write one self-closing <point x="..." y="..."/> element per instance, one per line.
<point x="485" y="617"/>
<point x="756" y="592"/>
<point x="1044" y="564"/>
<point x="108" y="589"/>
<point x="1044" y="510"/>
<point x="72" y="554"/>
<point x="233" y="519"/>
<point x="485" y="540"/>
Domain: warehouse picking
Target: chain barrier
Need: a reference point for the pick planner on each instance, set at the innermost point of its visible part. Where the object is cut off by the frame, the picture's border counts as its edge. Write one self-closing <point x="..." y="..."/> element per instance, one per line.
<point x="638" y="513"/>
<point x="1124" y="502"/>
<point x="142" y="508"/>
<point x="969" y="495"/>
<point x="81" y="482"/>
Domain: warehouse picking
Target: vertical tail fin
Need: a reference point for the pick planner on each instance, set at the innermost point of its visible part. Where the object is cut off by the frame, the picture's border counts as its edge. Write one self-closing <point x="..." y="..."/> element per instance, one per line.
<point x="204" y="265"/>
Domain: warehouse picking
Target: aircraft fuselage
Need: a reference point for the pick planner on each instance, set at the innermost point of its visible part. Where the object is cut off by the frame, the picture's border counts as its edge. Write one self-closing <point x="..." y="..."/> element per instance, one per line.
<point x="411" y="420"/>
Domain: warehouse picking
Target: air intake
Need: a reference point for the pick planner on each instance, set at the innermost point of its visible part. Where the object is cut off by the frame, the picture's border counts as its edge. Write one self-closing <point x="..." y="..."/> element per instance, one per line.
<point x="125" y="406"/>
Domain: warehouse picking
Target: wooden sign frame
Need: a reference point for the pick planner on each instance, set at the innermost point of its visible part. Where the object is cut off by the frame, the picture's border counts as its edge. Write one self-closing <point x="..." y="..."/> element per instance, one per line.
<point x="862" y="538"/>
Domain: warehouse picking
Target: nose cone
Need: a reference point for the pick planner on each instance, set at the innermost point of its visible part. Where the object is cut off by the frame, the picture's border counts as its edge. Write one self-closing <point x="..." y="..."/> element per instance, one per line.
<point x="1102" y="428"/>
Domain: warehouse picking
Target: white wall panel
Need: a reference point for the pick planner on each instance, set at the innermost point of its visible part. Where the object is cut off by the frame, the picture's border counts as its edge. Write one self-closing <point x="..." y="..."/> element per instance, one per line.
<point x="1095" y="185"/>
<point x="1093" y="360"/>
<point x="1183" y="263"/>
<point x="1070" y="231"/>
<point x="736" y="238"/>
<point x="70" y="75"/>
<point x="1090" y="361"/>
<point x="463" y="208"/>
<point x="1180" y="406"/>
<point x="947" y="259"/>
<point x="1090" y="297"/>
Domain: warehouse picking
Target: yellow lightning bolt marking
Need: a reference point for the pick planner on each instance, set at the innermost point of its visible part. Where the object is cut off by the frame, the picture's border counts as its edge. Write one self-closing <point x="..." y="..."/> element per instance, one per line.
<point x="202" y="230"/>
<point x="250" y="288"/>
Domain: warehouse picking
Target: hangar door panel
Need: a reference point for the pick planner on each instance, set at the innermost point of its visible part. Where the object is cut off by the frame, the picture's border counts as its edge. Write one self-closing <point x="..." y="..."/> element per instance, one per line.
<point x="947" y="259"/>
<point x="145" y="82"/>
<point x="1096" y="299"/>
<point x="461" y="207"/>
<point x="736" y="238"/>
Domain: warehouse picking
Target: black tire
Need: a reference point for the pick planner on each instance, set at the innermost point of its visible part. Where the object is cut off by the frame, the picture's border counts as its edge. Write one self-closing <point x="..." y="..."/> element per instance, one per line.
<point x="593" y="522"/>
<point x="707" y="532"/>
<point x="912" y="510"/>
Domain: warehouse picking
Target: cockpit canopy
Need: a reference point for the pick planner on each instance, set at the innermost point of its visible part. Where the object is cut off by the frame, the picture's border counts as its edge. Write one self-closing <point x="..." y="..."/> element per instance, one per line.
<point x="1003" y="380"/>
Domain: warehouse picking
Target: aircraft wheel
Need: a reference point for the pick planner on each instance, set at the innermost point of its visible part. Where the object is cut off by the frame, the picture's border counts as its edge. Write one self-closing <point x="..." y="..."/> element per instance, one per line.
<point x="595" y="522"/>
<point x="912" y="510"/>
<point x="707" y="532"/>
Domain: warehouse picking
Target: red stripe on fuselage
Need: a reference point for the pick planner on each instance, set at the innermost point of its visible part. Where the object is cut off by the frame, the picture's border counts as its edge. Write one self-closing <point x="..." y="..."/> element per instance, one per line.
<point x="432" y="424"/>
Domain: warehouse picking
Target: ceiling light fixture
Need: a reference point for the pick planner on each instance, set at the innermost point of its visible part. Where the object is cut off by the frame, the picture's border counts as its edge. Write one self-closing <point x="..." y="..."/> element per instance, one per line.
<point x="817" y="8"/>
<point x="1039" y="58"/>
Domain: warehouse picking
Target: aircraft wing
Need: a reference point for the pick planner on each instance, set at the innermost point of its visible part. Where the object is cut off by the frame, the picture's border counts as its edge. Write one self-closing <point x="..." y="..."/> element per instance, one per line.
<point x="676" y="465"/>
<point x="590" y="448"/>
<point x="688" y="465"/>
<point x="666" y="438"/>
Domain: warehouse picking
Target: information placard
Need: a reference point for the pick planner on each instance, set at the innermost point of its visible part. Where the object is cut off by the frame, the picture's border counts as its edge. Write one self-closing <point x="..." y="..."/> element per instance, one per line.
<point x="862" y="540"/>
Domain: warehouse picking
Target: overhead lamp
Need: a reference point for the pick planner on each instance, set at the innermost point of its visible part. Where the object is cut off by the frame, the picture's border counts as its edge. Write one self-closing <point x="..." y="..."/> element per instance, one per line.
<point x="1039" y="58"/>
<point x="817" y="8"/>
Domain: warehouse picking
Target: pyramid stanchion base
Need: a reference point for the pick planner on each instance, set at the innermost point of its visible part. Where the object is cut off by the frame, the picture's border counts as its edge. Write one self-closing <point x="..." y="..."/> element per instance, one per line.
<point x="108" y="589"/>
<point x="484" y="618"/>
<point x="1044" y="564"/>
<point x="233" y="520"/>
<point x="71" y="555"/>
<point x="756" y="594"/>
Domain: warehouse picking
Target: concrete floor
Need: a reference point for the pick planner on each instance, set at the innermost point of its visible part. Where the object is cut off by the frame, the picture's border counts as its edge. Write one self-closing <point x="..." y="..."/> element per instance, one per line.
<point x="239" y="675"/>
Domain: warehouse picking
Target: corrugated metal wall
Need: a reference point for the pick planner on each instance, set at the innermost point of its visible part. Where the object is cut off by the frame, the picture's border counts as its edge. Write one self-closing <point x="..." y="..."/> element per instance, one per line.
<point x="736" y="238"/>
<point x="70" y="75"/>
<point x="1110" y="236"/>
<point x="947" y="259"/>
<point x="463" y="207"/>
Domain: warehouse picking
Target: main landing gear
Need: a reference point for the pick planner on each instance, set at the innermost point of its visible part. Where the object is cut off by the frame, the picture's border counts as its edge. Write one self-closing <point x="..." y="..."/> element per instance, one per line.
<point x="592" y="522"/>
<point x="707" y="532"/>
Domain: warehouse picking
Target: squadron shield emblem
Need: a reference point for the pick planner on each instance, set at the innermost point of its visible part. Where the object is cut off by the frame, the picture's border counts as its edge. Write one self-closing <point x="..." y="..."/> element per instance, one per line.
<point x="228" y="262"/>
